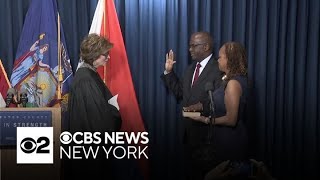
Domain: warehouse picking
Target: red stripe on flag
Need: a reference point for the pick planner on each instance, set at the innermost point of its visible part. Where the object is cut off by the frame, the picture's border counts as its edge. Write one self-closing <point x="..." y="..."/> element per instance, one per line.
<point x="4" y="81"/>
<point x="118" y="77"/>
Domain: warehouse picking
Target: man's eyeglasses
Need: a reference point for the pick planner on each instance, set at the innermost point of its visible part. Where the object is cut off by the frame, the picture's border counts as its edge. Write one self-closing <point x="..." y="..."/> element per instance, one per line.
<point x="195" y="45"/>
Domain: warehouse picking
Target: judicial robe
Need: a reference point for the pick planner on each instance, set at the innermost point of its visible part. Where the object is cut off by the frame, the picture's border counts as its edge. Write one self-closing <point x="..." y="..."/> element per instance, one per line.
<point x="89" y="111"/>
<point x="88" y="105"/>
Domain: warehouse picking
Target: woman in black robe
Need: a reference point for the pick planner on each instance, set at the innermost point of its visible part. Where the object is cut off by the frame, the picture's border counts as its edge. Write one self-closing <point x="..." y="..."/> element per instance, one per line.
<point x="89" y="110"/>
<point x="88" y="105"/>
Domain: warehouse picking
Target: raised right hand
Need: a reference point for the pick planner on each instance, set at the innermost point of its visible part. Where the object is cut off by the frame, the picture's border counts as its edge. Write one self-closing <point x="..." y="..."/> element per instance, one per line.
<point x="169" y="61"/>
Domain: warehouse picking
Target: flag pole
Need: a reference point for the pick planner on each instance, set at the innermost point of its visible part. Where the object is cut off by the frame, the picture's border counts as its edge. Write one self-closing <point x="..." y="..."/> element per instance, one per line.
<point x="60" y="76"/>
<point x="105" y="23"/>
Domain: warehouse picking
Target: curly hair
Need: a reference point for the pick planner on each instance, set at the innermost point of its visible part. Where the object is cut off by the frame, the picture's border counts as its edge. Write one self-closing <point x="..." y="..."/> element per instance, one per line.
<point x="93" y="46"/>
<point x="237" y="59"/>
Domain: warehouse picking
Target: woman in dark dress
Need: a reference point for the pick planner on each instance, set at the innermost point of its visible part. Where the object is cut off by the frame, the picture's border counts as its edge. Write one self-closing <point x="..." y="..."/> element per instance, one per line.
<point x="229" y="134"/>
<point x="89" y="110"/>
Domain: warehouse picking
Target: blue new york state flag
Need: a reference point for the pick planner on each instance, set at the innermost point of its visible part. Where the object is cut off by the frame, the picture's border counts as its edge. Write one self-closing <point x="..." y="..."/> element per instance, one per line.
<point x="36" y="64"/>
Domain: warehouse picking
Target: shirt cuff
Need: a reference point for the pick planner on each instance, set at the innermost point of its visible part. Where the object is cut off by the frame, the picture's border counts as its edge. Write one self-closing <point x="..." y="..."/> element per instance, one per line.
<point x="165" y="72"/>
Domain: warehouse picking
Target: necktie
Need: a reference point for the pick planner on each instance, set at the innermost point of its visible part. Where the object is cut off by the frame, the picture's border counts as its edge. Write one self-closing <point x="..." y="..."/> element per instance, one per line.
<point x="196" y="75"/>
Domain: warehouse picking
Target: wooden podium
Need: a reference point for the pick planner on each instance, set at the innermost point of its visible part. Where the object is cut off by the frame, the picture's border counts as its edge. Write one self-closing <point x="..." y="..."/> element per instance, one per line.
<point x="10" y="170"/>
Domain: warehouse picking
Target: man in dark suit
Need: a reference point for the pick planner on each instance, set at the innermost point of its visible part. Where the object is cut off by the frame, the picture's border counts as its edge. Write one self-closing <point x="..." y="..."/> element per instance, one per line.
<point x="191" y="90"/>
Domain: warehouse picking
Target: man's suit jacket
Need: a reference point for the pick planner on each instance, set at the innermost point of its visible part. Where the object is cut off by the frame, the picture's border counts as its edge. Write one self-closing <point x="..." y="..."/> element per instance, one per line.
<point x="196" y="132"/>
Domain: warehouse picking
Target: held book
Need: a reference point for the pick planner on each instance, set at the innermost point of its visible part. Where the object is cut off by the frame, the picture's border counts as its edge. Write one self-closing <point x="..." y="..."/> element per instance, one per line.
<point x="190" y="114"/>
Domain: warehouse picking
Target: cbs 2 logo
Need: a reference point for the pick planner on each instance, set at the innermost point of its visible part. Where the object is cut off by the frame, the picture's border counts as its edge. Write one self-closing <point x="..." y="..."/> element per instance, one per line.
<point x="29" y="145"/>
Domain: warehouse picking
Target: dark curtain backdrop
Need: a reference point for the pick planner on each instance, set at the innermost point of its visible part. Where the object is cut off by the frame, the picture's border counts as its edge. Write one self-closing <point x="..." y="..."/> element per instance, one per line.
<point x="282" y="41"/>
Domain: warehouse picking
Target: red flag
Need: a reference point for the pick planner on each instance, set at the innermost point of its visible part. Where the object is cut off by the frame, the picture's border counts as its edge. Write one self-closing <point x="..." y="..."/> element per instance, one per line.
<point x="4" y="85"/>
<point x="116" y="74"/>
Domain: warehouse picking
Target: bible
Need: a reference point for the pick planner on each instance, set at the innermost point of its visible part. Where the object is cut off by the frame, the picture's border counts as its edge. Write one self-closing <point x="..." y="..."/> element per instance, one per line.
<point x="190" y="114"/>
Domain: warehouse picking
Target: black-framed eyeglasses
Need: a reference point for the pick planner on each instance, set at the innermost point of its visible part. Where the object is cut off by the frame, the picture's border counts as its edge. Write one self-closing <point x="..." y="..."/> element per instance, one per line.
<point x="105" y="54"/>
<point x="195" y="45"/>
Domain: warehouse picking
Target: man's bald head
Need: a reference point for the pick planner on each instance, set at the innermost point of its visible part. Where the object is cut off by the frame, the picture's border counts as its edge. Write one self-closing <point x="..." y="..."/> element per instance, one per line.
<point x="200" y="45"/>
<point x="205" y="37"/>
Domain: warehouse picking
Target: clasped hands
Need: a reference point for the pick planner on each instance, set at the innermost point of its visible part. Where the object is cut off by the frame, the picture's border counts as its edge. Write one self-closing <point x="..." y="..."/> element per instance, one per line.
<point x="197" y="108"/>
